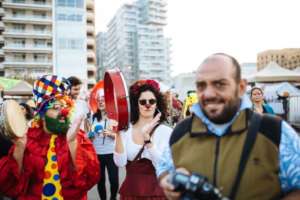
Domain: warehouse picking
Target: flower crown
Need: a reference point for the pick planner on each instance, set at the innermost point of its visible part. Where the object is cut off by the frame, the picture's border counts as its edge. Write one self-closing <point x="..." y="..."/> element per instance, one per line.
<point x="138" y="84"/>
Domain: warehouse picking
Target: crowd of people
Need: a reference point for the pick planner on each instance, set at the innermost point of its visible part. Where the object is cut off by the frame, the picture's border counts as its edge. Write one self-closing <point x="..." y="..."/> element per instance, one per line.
<point x="232" y="139"/>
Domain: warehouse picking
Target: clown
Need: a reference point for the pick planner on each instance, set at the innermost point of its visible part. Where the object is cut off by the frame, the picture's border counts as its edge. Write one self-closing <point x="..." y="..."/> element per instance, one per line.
<point x="54" y="160"/>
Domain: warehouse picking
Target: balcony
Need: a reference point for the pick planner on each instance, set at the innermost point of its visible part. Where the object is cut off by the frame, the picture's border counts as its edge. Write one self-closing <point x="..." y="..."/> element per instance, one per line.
<point x="91" y="54"/>
<point x="91" y="68"/>
<point x="24" y="34"/>
<point x="91" y="81"/>
<point x="90" y="16"/>
<point x="91" y="41"/>
<point x="90" y="29"/>
<point x="90" y="4"/>
<point x="28" y="5"/>
<point x="28" y="63"/>
<point x="27" y="49"/>
<point x="27" y="19"/>
<point x="1" y="25"/>
<point x="1" y="53"/>
<point x="1" y="12"/>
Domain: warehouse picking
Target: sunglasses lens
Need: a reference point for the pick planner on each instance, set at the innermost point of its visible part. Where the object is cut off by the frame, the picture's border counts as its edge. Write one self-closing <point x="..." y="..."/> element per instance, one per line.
<point x="152" y="101"/>
<point x="143" y="102"/>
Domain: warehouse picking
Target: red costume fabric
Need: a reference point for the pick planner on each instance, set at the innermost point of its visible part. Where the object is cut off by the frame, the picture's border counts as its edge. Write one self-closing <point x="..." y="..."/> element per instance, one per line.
<point x="27" y="185"/>
<point x="141" y="182"/>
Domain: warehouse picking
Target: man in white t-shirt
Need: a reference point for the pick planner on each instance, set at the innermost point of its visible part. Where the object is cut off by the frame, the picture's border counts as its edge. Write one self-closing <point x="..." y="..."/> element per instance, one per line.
<point x="81" y="105"/>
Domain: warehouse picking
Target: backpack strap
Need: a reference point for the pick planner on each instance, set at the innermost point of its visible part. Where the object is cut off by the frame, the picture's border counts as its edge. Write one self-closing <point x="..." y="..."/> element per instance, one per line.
<point x="248" y="145"/>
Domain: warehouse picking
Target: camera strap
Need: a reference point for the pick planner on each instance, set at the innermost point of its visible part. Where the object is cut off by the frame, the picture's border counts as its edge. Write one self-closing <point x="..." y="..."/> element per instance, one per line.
<point x="139" y="154"/>
<point x="248" y="145"/>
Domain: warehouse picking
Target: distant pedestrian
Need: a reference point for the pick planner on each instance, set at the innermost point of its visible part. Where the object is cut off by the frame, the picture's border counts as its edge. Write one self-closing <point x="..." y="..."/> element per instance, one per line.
<point x="259" y="105"/>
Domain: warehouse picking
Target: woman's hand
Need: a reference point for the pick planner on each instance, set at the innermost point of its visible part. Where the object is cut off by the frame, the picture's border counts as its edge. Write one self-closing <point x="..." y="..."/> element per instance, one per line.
<point x="147" y="128"/>
<point x="109" y="133"/>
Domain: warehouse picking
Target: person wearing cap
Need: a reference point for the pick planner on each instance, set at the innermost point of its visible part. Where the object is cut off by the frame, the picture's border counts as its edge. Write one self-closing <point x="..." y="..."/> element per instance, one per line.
<point x="104" y="142"/>
<point x="53" y="160"/>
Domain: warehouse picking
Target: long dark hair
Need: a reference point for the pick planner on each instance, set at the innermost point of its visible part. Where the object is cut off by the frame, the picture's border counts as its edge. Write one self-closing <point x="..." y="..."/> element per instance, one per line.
<point x="29" y="111"/>
<point x="134" y="95"/>
<point x="97" y="115"/>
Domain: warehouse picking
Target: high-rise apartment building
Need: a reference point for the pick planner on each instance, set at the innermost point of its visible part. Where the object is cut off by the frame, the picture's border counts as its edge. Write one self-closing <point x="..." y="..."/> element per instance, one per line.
<point x="135" y="41"/>
<point x="47" y="36"/>
<point x="287" y="58"/>
<point x="101" y="53"/>
<point x="28" y="38"/>
<point x="91" y="42"/>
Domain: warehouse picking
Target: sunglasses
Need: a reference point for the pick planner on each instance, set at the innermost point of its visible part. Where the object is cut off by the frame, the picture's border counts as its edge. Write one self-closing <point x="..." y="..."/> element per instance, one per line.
<point x="147" y="101"/>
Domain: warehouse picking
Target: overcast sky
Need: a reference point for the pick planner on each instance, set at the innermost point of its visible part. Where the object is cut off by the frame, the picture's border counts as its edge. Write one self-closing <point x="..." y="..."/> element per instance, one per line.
<point x="241" y="28"/>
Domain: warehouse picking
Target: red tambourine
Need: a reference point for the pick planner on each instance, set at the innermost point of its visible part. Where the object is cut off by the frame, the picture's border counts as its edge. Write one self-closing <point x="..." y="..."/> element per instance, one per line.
<point x="116" y="98"/>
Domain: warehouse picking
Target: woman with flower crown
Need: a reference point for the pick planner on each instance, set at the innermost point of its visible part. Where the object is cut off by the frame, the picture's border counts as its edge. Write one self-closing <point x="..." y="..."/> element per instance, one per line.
<point x="140" y="147"/>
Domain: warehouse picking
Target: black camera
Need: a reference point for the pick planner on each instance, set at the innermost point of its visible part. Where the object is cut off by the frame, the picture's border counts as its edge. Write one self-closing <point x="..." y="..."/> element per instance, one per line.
<point x="195" y="187"/>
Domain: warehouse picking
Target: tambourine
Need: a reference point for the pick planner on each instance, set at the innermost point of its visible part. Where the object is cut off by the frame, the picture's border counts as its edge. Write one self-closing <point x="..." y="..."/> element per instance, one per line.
<point x="116" y="98"/>
<point x="13" y="123"/>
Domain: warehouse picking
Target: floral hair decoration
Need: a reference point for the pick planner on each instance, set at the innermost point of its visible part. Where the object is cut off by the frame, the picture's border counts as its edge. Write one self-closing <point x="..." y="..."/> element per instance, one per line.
<point x="138" y="84"/>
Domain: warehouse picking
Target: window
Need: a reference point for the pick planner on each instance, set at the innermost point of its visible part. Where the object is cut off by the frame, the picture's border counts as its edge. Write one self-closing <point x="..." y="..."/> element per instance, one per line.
<point x="19" y="42"/>
<point x="40" y="1"/>
<point x="19" y="27"/>
<point x="70" y="3"/>
<point x="18" y="13"/>
<point x="39" y="43"/>
<point x="19" y="57"/>
<point x="40" y="57"/>
<point x="72" y="17"/>
<point x="70" y="43"/>
<point x="18" y="1"/>
<point x="61" y="17"/>
<point x="39" y="28"/>
<point x="39" y="14"/>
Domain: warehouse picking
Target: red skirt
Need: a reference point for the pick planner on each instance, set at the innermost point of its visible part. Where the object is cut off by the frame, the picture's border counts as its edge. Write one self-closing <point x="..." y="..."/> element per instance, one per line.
<point x="141" y="182"/>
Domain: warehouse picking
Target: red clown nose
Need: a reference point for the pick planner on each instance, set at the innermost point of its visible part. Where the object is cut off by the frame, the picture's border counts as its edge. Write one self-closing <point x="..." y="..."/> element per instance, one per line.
<point x="64" y="112"/>
<point x="148" y="106"/>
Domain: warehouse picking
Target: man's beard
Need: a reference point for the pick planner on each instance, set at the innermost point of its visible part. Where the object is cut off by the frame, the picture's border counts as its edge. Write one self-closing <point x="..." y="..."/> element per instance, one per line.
<point x="55" y="126"/>
<point x="229" y="111"/>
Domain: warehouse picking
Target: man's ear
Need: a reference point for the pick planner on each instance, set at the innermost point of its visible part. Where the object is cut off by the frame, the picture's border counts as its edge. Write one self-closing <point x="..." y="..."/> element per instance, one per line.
<point x="242" y="87"/>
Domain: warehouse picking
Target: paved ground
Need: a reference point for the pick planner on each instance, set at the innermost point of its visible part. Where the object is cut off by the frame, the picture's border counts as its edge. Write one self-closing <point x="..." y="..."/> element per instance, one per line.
<point x="93" y="193"/>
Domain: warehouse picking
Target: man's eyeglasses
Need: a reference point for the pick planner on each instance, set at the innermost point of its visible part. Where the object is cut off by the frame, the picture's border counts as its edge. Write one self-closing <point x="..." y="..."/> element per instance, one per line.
<point x="147" y="101"/>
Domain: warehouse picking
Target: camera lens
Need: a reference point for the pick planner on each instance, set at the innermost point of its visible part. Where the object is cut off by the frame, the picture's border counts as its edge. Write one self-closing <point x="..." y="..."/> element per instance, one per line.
<point x="181" y="178"/>
<point x="207" y="187"/>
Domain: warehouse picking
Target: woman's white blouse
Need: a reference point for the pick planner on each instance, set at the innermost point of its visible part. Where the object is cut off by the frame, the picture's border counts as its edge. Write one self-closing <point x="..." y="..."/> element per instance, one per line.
<point x="160" y="140"/>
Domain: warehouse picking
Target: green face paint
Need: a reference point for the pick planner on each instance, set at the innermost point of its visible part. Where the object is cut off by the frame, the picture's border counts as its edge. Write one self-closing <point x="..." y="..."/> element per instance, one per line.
<point x="55" y="126"/>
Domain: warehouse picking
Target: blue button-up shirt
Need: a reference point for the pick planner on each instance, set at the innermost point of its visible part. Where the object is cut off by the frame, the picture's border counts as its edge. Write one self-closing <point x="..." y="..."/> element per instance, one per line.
<point x="289" y="148"/>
